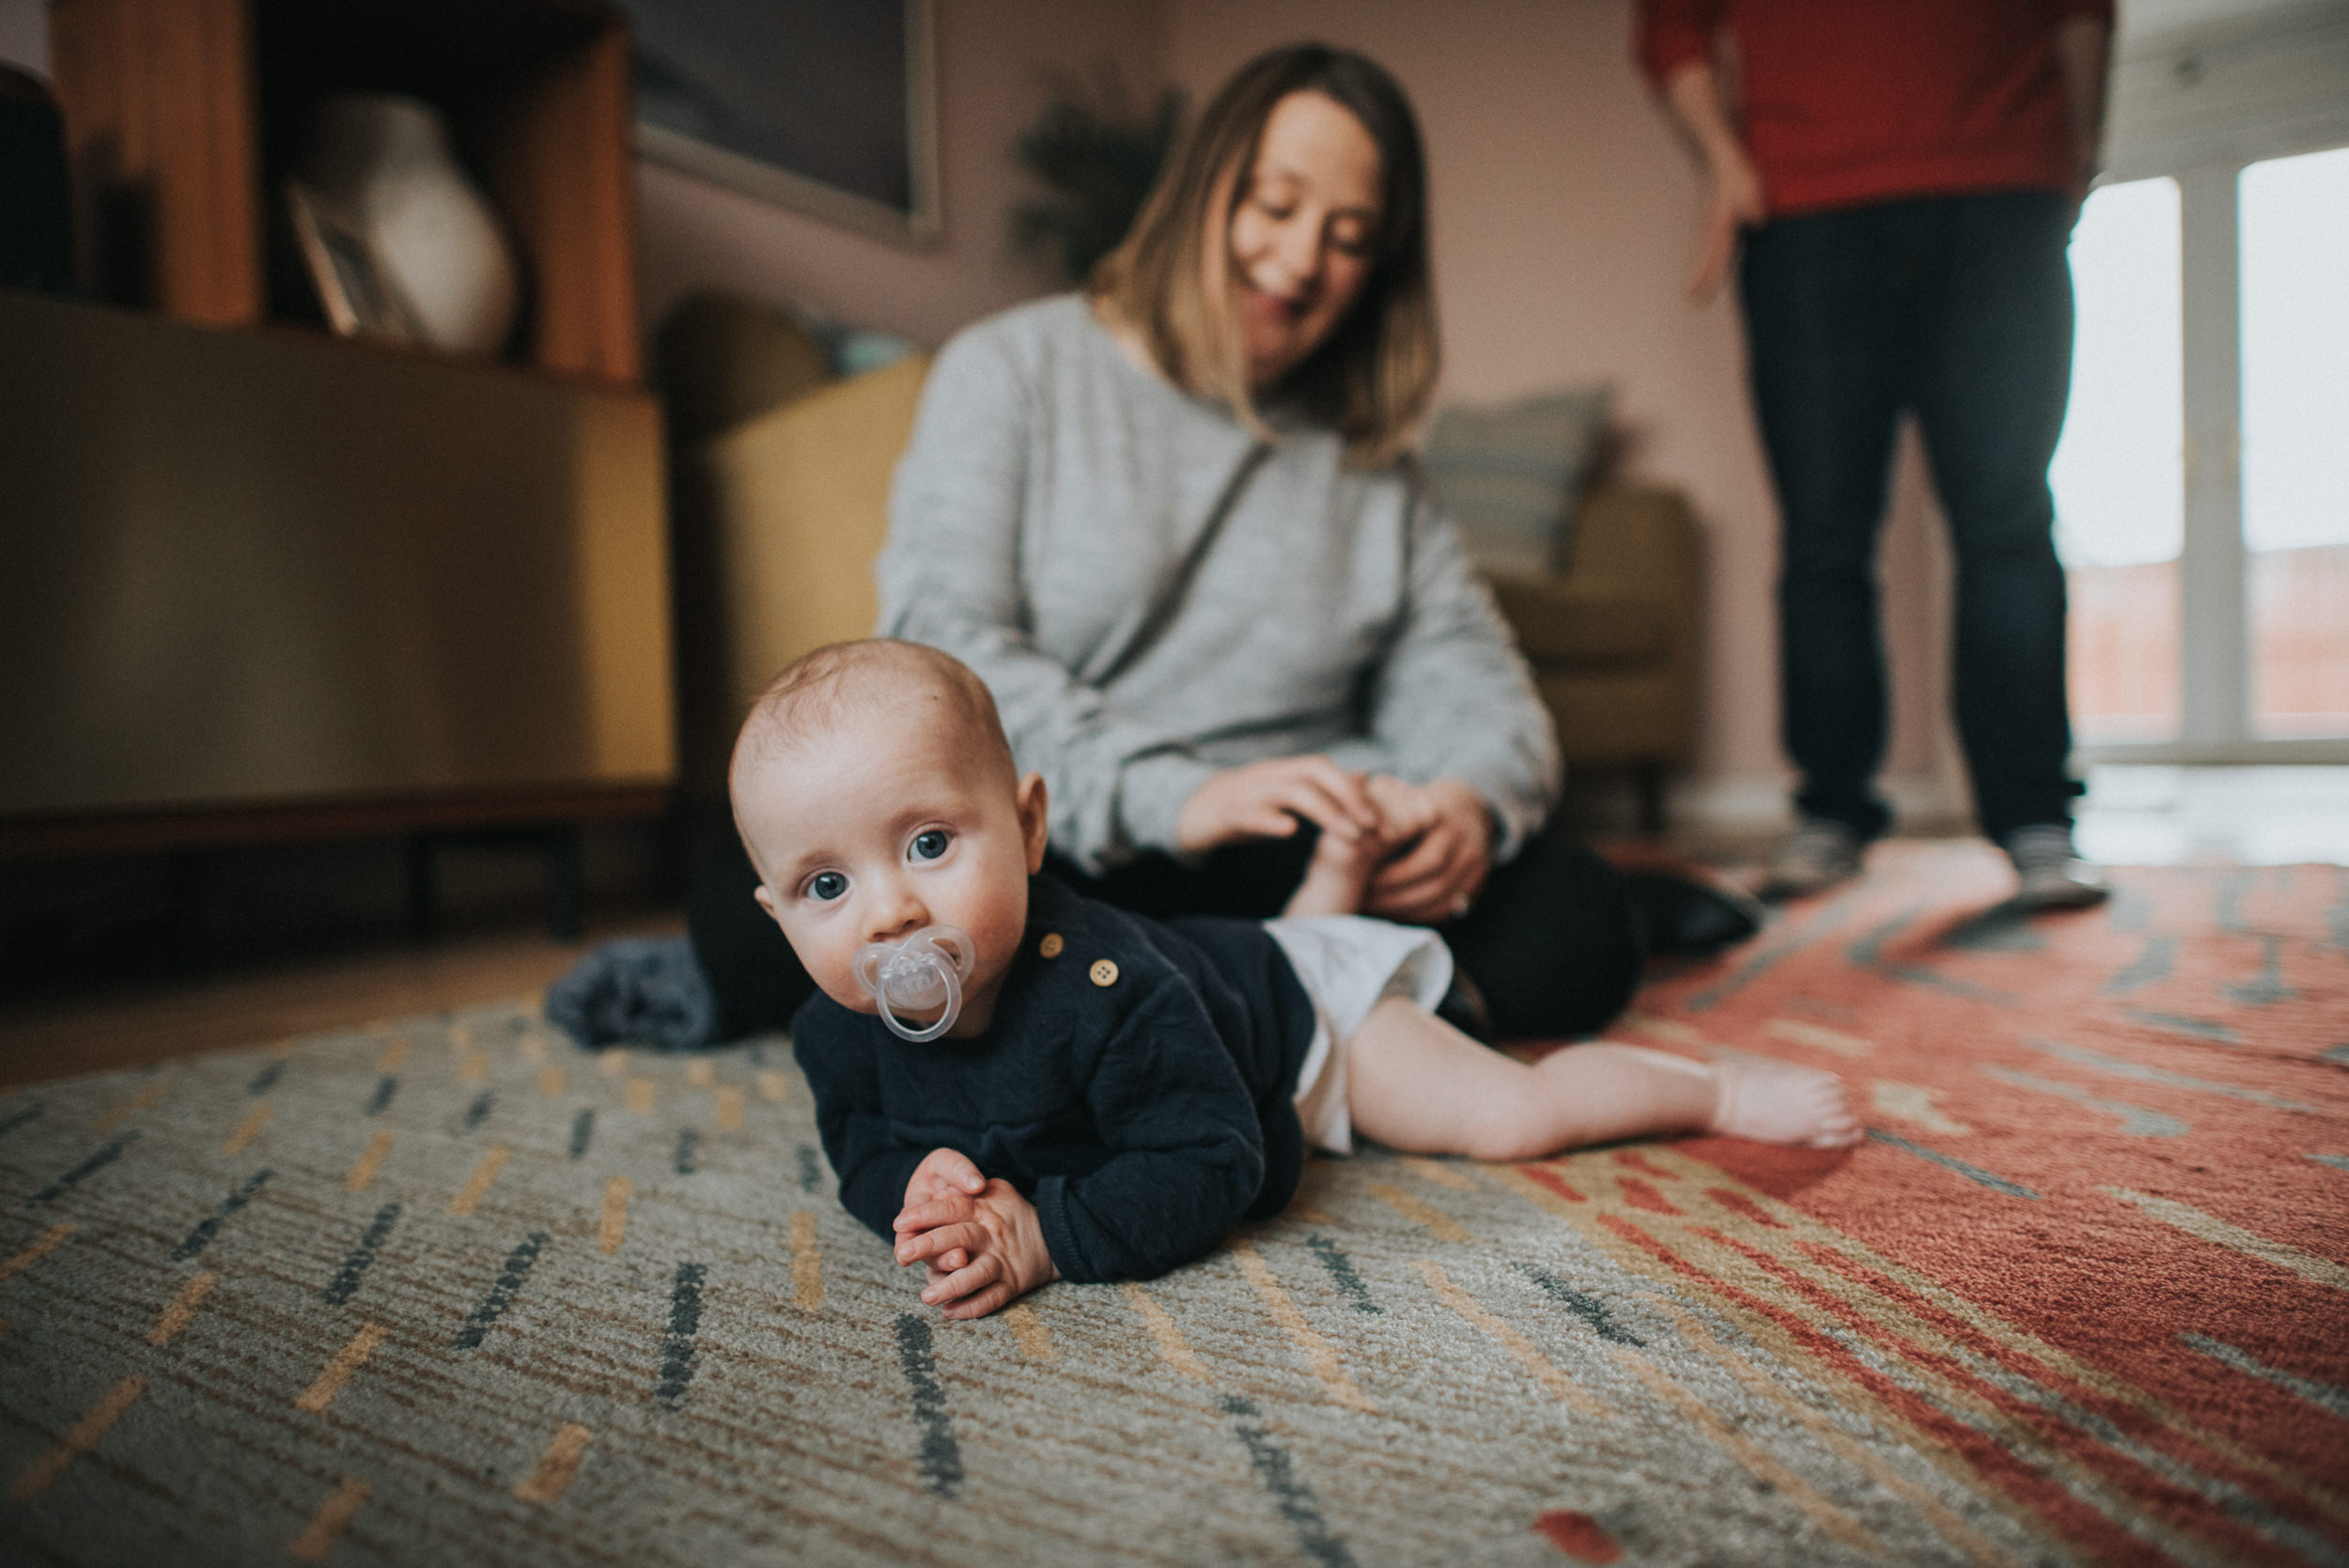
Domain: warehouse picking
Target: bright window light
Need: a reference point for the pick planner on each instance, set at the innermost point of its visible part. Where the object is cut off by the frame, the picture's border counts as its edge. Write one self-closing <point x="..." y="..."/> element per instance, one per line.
<point x="2296" y="352"/>
<point x="2294" y="232"/>
<point x="2120" y="474"/>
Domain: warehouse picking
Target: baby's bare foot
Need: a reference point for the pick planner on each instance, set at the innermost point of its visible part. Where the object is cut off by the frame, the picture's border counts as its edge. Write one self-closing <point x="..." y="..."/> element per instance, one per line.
<point x="1337" y="878"/>
<point x="1778" y="1102"/>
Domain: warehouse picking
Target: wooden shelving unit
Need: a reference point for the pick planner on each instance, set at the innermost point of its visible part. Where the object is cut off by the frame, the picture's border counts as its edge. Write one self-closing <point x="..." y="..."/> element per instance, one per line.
<point x="262" y="583"/>
<point x="184" y="117"/>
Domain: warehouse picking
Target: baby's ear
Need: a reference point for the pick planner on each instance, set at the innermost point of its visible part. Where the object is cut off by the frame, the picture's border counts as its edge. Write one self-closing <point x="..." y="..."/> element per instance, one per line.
<point x="767" y="902"/>
<point x="1034" y="826"/>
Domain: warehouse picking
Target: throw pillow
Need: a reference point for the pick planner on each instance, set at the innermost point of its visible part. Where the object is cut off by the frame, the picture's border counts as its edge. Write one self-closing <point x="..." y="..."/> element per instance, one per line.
<point x="854" y="349"/>
<point x="1511" y="476"/>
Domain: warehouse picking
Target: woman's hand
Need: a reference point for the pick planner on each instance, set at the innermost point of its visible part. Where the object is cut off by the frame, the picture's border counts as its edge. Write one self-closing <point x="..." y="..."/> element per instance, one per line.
<point x="1447" y="849"/>
<point x="1267" y="799"/>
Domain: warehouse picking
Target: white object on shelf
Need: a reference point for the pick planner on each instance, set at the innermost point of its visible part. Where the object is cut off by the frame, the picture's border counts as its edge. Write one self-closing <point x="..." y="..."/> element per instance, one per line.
<point x="395" y="228"/>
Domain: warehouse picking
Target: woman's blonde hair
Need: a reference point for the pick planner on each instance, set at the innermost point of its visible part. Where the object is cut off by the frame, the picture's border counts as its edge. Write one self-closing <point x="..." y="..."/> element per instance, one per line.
<point x="1372" y="377"/>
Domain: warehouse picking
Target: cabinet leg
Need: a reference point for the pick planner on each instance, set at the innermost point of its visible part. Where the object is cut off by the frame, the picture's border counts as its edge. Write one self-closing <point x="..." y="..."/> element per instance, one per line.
<point x="422" y="895"/>
<point x="565" y="873"/>
<point x="1650" y="778"/>
<point x="183" y="878"/>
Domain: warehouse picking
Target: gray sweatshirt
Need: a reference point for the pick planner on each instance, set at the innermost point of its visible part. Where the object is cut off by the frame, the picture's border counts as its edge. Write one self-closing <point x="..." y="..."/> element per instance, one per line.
<point x="1154" y="595"/>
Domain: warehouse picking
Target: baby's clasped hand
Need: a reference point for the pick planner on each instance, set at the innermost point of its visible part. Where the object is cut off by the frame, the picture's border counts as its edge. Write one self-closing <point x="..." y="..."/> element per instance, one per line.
<point x="981" y="1240"/>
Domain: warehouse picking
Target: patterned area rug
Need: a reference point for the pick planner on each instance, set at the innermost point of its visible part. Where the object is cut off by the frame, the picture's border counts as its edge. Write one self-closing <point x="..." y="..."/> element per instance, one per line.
<point x="449" y="1291"/>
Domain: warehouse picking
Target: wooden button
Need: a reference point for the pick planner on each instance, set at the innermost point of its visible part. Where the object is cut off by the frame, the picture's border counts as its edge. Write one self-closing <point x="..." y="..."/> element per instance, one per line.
<point x="1050" y="945"/>
<point x="1103" y="973"/>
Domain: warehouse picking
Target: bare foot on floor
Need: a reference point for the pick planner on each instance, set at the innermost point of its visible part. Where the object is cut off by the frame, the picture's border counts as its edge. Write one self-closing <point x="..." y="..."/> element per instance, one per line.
<point x="1777" y="1102"/>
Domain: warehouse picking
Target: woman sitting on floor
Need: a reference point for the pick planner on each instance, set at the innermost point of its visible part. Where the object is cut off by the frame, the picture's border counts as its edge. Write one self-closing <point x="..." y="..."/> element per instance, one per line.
<point x="1172" y="525"/>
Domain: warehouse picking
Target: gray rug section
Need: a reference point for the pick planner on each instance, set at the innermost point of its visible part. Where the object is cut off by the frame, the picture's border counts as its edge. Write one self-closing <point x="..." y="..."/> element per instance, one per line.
<point x="737" y="1374"/>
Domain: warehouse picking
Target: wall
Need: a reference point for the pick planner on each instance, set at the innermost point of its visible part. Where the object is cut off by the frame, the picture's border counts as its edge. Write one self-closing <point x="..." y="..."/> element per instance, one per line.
<point x="25" y="34"/>
<point x="993" y="56"/>
<point x="1565" y="214"/>
<point x="1566" y="221"/>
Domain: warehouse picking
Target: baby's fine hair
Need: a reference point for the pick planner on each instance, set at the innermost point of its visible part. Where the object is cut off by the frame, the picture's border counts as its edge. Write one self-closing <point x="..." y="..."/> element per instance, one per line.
<point x="819" y="691"/>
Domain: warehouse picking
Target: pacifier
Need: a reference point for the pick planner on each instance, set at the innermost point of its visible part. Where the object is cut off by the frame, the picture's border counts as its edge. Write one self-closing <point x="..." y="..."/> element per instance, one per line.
<point x="925" y="971"/>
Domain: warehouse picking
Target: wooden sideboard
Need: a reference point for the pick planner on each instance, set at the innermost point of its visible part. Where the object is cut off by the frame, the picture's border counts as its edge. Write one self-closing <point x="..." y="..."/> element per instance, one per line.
<point x="263" y="584"/>
<point x="259" y="584"/>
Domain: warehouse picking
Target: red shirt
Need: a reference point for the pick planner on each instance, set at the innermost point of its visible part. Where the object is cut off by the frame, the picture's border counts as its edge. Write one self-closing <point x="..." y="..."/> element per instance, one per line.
<point x="1851" y="101"/>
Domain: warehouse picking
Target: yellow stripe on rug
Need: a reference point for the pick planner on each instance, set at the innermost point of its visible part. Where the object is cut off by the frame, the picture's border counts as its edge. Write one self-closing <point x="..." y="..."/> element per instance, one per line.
<point x="807" y="1264"/>
<point x="1546" y="1372"/>
<point x="43" y="1472"/>
<point x="42" y="1245"/>
<point x="1173" y="1348"/>
<point x="1035" y="1340"/>
<point x="545" y="1485"/>
<point x="2210" y="1227"/>
<point x="338" y="1371"/>
<point x="477" y="1185"/>
<point x="327" y="1525"/>
<point x="182" y="1308"/>
<point x="1317" y="1351"/>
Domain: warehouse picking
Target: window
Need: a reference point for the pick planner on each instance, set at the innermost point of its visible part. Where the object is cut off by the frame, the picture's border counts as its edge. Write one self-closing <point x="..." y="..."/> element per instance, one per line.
<point x="2202" y="482"/>
<point x="2294" y="228"/>
<point x="2119" y="474"/>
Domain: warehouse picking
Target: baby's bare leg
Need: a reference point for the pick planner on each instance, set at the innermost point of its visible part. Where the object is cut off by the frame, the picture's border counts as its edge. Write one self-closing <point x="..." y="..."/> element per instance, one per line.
<point x="1336" y="879"/>
<point x="1415" y="1083"/>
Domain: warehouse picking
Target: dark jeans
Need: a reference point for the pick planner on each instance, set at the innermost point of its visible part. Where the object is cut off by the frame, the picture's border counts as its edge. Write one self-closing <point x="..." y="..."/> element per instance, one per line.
<point x="1959" y="310"/>
<point x="1550" y="942"/>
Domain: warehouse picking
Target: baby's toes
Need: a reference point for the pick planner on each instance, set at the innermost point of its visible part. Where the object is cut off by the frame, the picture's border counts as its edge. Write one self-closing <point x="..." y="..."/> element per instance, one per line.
<point x="1777" y="1102"/>
<point x="1838" y="1123"/>
<point x="1836" y="1133"/>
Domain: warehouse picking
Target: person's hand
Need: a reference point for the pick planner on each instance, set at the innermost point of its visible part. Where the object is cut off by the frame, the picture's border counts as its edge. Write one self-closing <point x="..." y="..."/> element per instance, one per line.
<point x="2084" y="158"/>
<point x="1435" y="875"/>
<point x="943" y="1170"/>
<point x="1267" y="799"/>
<point x="985" y="1251"/>
<point x="2083" y="51"/>
<point x="1734" y="203"/>
<point x="1405" y="810"/>
<point x="943" y="1173"/>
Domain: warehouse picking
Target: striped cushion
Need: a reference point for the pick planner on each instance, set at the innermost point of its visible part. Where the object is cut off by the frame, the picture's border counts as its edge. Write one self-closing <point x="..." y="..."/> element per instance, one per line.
<point x="1511" y="475"/>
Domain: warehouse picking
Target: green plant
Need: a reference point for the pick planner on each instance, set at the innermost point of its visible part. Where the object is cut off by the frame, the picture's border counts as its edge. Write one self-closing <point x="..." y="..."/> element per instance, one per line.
<point x="1097" y="156"/>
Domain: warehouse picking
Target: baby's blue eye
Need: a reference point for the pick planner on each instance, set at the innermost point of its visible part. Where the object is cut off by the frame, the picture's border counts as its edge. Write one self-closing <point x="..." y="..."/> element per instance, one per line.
<point x="825" y="886"/>
<point x="929" y="845"/>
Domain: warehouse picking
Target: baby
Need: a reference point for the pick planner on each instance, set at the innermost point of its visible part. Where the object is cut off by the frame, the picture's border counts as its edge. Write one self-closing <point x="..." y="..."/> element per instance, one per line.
<point x="1017" y="1084"/>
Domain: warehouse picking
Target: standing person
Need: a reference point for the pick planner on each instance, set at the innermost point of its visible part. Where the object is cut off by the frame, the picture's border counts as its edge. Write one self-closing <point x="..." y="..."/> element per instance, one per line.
<point x="1904" y="175"/>
<point x="1172" y="525"/>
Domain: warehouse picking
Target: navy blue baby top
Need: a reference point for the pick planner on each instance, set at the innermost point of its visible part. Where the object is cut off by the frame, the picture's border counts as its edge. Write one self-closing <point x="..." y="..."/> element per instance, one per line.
<point x="1135" y="1085"/>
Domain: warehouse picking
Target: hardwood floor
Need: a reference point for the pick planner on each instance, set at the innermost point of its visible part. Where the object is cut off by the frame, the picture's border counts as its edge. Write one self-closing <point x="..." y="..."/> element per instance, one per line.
<point x="2133" y="815"/>
<point x="158" y="1021"/>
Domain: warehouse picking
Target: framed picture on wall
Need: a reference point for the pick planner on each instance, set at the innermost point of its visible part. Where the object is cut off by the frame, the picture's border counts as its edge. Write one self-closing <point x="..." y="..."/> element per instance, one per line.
<point x="827" y="106"/>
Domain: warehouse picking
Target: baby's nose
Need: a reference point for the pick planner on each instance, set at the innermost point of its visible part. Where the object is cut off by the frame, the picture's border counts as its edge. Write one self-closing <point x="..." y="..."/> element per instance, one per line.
<point x="896" y="913"/>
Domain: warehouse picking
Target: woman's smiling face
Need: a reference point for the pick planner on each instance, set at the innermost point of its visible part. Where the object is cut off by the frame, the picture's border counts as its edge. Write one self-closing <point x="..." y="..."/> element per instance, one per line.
<point x="1304" y="235"/>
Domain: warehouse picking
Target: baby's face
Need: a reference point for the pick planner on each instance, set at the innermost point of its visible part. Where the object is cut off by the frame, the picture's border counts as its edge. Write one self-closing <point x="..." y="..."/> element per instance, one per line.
<point x="872" y="829"/>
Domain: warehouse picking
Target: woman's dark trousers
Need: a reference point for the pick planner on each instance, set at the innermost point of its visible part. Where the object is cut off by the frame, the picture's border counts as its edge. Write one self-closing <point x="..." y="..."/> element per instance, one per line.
<point x="1957" y="309"/>
<point x="1551" y="944"/>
